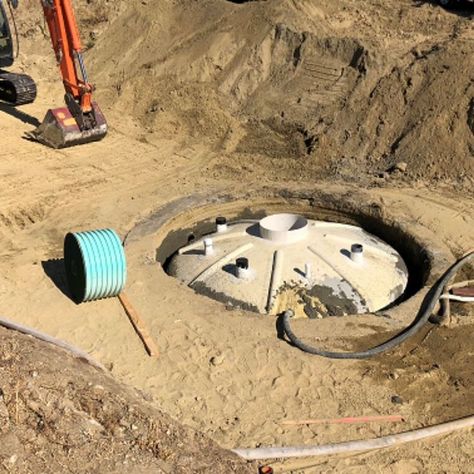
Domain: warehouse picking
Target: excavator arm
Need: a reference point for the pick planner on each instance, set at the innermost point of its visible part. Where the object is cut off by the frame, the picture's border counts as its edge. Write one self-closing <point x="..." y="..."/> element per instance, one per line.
<point x="67" y="46"/>
<point x="81" y="121"/>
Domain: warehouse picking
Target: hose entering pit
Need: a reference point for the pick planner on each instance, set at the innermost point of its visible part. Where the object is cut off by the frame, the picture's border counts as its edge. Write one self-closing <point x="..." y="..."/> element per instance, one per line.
<point x="427" y="308"/>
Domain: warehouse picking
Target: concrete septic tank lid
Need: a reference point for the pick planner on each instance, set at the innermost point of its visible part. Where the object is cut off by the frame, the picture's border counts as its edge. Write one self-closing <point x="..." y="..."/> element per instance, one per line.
<point x="287" y="261"/>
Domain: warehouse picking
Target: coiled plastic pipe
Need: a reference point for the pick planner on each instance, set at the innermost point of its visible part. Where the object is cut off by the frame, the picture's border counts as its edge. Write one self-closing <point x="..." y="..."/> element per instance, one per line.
<point x="427" y="307"/>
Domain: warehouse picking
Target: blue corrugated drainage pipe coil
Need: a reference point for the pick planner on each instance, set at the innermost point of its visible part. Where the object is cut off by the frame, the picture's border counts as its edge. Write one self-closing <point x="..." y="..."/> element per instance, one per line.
<point x="95" y="264"/>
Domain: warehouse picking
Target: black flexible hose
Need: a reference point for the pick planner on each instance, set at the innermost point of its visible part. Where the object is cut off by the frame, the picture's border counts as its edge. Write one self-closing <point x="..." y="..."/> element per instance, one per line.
<point x="424" y="314"/>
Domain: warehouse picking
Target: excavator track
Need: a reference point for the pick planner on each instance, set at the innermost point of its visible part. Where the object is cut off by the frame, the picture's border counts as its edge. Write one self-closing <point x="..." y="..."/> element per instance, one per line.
<point x="16" y="89"/>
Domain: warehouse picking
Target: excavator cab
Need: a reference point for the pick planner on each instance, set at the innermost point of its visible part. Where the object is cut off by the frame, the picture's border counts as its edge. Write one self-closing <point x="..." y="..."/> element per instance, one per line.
<point x="15" y="89"/>
<point x="6" y="43"/>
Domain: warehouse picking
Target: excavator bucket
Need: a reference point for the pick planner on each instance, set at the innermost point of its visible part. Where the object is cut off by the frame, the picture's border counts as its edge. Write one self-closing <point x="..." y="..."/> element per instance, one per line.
<point x="60" y="129"/>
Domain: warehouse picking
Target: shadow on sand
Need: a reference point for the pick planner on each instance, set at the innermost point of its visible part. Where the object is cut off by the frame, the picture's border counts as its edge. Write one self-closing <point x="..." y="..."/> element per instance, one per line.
<point x="56" y="271"/>
<point x="18" y="114"/>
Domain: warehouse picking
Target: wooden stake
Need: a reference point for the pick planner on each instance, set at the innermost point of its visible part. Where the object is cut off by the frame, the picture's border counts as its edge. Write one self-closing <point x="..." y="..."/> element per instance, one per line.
<point x="348" y="420"/>
<point x="139" y="326"/>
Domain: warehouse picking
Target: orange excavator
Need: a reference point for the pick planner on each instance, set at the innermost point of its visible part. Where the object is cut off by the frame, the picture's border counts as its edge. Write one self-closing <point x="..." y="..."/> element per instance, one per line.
<point x="81" y="121"/>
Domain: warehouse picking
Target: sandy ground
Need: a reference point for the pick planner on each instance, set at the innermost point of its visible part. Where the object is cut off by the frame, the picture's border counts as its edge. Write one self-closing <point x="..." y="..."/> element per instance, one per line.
<point x="255" y="380"/>
<point x="224" y="372"/>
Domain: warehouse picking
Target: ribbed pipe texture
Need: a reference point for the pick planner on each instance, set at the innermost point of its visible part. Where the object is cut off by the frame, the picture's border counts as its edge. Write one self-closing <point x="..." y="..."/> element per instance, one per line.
<point x="95" y="263"/>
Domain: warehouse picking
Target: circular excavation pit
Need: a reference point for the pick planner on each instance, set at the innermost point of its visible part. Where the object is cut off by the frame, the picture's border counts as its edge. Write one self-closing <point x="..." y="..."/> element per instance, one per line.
<point x="285" y="260"/>
<point x="319" y="252"/>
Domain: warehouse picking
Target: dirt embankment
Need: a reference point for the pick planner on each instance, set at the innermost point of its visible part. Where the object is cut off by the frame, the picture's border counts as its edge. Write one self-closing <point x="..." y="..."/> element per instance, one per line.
<point x="348" y="87"/>
<point x="352" y="88"/>
<point x="60" y="414"/>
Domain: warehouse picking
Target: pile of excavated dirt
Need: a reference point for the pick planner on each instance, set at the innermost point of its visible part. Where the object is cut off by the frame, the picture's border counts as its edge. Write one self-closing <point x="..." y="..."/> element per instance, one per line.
<point x="83" y="421"/>
<point x="92" y="16"/>
<point x="345" y="89"/>
<point x="341" y="88"/>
